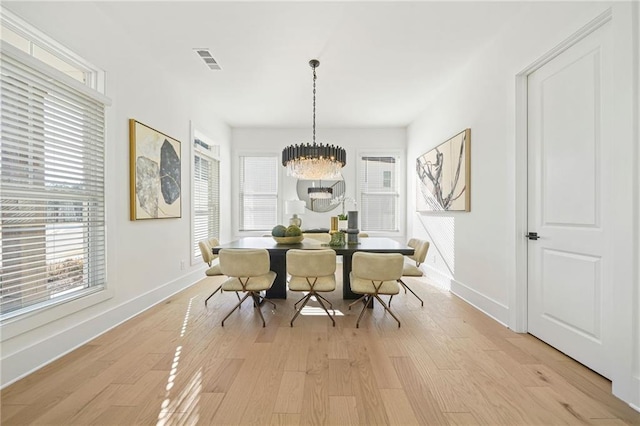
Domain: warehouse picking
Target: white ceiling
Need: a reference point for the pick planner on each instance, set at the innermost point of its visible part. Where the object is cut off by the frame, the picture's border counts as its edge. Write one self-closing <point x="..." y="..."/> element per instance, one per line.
<point x="380" y="62"/>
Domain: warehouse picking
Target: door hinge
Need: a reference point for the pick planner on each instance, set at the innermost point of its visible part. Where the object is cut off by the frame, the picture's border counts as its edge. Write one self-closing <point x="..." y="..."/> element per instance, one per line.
<point x="532" y="235"/>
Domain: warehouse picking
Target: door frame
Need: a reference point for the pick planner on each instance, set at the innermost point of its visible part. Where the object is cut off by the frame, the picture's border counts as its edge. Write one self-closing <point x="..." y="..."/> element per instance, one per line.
<point x="518" y="297"/>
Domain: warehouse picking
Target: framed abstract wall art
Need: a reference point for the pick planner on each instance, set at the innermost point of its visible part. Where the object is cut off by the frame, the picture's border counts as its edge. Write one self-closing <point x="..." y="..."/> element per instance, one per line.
<point x="444" y="176"/>
<point x="155" y="165"/>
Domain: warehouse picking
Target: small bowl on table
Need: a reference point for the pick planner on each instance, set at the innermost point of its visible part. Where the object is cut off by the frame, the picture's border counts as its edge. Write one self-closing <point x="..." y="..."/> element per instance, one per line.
<point x="289" y="240"/>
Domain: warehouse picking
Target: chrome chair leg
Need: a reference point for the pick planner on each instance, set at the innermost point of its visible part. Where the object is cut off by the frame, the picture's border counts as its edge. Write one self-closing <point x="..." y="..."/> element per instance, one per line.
<point x="321" y="297"/>
<point x="264" y="299"/>
<point x="387" y="309"/>
<point x="295" y="305"/>
<point x="353" y="303"/>
<point x="257" y="296"/>
<point x="211" y="295"/>
<point x="304" y="303"/>
<point x="406" y="287"/>
<point x="236" y="307"/>
<point x="364" y="308"/>
<point x="325" y="309"/>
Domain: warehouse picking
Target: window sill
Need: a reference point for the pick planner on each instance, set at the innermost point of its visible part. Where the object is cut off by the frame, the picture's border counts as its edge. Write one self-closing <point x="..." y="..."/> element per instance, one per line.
<point x="23" y="323"/>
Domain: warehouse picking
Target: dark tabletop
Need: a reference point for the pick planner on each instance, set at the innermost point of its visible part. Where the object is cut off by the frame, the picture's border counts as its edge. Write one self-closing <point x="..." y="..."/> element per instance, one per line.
<point x="369" y="244"/>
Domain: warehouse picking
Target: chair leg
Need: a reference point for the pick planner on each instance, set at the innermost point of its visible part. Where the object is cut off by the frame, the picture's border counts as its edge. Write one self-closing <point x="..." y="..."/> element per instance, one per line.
<point x="257" y="296"/>
<point x="325" y="309"/>
<point x="304" y="300"/>
<point x="321" y="297"/>
<point x="406" y="287"/>
<point x="295" y="305"/>
<point x="353" y="303"/>
<point x="387" y="309"/>
<point x="211" y="295"/>
<point x="364" y="308"/>
<point x="264" y="299"/>
<point x="390" y="297"/>
<point x="236" y="307"/>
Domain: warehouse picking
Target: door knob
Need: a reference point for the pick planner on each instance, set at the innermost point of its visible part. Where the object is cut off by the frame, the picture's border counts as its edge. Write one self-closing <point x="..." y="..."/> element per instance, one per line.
<point x="532" y="235"/>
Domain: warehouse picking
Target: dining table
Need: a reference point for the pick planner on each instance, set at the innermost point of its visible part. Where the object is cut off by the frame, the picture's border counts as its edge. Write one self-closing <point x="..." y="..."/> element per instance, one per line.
<point x="278" y="257"/>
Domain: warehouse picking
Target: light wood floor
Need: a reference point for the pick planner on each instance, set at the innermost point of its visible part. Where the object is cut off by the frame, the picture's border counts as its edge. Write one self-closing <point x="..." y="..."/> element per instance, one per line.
<point x="447" y="364"/>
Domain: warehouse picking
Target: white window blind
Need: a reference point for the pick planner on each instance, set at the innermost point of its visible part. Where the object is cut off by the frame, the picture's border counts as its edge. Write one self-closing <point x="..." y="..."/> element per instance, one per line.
<point x="206" y="194"/>
<point x="379" y="193"/>
<point x="52" y="240"/>
<point x="258" y="193"/>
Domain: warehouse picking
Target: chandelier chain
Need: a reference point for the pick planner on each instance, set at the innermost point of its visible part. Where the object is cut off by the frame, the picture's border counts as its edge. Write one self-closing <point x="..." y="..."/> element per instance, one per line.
<point x="314" y="105"/>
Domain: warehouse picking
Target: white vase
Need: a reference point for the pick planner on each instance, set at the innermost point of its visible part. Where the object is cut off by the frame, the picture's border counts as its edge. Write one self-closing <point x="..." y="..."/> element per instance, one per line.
<point x="342" y="224"/>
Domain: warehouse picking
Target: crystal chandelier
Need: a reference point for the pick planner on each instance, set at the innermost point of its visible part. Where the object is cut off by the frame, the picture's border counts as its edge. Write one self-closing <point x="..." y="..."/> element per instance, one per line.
<point x="314" y="161"/>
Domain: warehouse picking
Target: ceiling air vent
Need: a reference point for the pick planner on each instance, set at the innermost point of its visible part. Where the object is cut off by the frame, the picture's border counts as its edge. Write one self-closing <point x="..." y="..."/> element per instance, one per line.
<point x="208" y="59"/>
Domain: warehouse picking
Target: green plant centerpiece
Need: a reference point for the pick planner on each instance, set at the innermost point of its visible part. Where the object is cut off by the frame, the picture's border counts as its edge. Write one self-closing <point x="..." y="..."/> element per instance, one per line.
<point x="343" y="216"/>
<point x="337" y="239"/>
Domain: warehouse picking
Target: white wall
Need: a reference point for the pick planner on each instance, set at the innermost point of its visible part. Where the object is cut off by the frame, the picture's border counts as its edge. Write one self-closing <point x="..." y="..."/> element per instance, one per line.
<point x="143" y="257"/>
<point x="354" y="141"/>
<point x="475" y="251"/>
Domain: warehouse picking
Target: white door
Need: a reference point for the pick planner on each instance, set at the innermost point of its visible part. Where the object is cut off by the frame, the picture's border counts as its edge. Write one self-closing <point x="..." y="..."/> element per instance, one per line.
<point x="570" y="153"/>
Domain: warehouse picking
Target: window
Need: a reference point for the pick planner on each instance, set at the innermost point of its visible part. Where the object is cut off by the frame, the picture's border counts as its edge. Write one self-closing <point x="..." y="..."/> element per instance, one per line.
<point x="258" y="192"/>
<point x="52" y="239"/>
<point x="206" y="193"/>
<point x="379" y="193"/>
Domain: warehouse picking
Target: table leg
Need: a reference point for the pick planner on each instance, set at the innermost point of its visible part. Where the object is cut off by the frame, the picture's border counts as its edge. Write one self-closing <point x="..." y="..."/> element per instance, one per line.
<point x="346" y="282"/>
<point x="278" y="265"/>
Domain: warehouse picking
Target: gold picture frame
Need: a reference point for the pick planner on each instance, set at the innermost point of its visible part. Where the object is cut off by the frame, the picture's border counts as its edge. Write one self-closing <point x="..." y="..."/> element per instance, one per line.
<point x="155" y="173"/>
<point x="444" y="176"/>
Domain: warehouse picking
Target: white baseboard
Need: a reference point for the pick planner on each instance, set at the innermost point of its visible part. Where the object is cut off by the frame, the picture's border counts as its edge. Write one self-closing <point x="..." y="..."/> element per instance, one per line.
<point x="25" y="361"/>
<point x="437" y="277"/>
<point x="490" y="307"/>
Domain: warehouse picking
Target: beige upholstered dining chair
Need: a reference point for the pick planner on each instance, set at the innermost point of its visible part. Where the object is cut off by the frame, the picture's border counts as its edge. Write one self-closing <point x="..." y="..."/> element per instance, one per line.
<point x="312" y="271"/>
<point x="210" y="259"/>
<point x="373" y="274"/>
<point x="248" y="272"/>
<point x="411" y="267"/>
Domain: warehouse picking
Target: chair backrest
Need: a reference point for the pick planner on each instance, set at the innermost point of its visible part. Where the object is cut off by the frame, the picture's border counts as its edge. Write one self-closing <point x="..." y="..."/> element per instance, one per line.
<point x="420" y="253"/>
<point x="377" y="266"/>
<point x="244" y="262"/>
<point x="420" y="248"/>
<point x="311" y="263"/>
<point x="205" y="249"/>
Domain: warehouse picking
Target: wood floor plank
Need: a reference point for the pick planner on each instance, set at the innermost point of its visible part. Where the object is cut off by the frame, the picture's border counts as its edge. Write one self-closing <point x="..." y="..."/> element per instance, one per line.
<point x="370" y="406"/>
<point x="208" y="405"/>
<point x="422" y="401"/>
<point x="315" y="402"/>
<point x="343" y="411"/>
<point x="285" y="419"/>
<point x="447" y="364"/>
<point x="289" y="399"/>
<point x="220" y="378"/>
<point x="398" y="408"/>
<point x="461" y="419"/>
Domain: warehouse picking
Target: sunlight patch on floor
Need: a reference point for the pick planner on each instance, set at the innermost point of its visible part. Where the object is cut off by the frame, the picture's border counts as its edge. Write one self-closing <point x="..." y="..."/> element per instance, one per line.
<point x="183" y="409"/>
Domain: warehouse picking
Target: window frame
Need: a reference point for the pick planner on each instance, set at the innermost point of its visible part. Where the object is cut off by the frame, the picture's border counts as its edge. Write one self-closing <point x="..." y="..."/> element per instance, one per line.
<point x="400" y="190"/>
<point x="35" y="316"/>
<point x="213" y="155"/>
